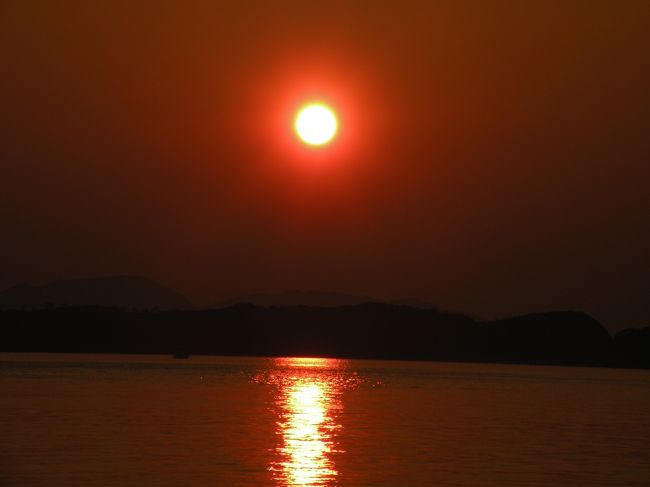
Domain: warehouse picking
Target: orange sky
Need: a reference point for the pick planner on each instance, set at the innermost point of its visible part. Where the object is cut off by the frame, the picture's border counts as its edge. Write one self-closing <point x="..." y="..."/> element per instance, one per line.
<point x="493" y="156"/>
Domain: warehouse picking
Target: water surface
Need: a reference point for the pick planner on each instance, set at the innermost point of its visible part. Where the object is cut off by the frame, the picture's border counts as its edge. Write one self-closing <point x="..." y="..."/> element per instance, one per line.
<point x="100" y="420"/>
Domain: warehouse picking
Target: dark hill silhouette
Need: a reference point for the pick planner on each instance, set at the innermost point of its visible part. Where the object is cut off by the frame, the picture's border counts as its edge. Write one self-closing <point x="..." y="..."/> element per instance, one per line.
<point x="121" y="291"/>
<point x="555" y="337"/>
<point x="369" y="330"/>
<point x="632" y="348"/>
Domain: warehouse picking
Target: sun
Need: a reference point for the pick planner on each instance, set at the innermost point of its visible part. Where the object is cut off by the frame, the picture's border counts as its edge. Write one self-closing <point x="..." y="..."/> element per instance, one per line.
<point x="316" y="124"/>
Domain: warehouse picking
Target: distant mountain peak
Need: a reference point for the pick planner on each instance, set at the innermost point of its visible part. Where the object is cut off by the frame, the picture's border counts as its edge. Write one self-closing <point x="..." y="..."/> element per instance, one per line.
<point x="414" y="303"/>
<point x="296" y="298"/>
<point x="316" y="298"/>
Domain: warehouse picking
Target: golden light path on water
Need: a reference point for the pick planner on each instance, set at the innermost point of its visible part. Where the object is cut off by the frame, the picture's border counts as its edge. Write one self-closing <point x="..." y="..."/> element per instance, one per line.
<point x="308" y="406"/>
<point x="305" y="444"/>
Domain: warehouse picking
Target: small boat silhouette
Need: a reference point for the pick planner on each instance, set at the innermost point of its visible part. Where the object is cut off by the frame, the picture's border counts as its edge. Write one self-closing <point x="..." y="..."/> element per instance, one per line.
<point x="181" y="355"/>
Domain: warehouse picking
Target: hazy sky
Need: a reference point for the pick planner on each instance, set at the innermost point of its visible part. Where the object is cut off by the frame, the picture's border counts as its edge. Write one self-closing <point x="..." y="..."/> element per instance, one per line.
<point x="493" y="156"/>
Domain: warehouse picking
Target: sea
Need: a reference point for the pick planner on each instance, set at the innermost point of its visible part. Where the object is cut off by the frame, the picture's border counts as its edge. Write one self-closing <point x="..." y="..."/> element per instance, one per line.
<point x="138" y="420"/>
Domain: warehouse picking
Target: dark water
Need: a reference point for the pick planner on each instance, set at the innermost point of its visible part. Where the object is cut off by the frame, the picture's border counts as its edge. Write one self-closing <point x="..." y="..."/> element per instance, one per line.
<point x="80" y="420"/>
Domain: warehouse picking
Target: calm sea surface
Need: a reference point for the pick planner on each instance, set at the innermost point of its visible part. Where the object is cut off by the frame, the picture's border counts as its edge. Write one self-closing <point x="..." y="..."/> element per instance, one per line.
<point x="101" y="420"/>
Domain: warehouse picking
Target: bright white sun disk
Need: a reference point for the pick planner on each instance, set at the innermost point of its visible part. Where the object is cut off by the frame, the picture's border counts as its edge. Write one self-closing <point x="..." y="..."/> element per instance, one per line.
<point x="316" y="124"/>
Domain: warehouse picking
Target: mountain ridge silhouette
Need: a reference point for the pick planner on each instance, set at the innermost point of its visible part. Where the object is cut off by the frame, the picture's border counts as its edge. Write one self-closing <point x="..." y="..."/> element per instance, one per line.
<point x="362" y="331"/>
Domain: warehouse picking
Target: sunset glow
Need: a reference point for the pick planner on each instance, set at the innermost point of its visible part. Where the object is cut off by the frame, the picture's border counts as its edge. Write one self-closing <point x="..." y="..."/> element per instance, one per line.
<point x="316" y="124"/>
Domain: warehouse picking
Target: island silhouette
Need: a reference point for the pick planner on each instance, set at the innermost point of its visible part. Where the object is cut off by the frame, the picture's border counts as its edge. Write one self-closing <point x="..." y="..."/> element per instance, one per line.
<point x="137" y="315"/>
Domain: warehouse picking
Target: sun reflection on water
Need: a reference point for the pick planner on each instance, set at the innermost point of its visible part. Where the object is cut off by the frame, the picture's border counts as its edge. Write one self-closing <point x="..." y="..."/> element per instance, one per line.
<point x="308" y="406"/>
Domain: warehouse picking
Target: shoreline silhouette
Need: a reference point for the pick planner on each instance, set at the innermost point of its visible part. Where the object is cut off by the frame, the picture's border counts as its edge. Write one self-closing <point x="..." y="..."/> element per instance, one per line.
<point x="364" y="331"/>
